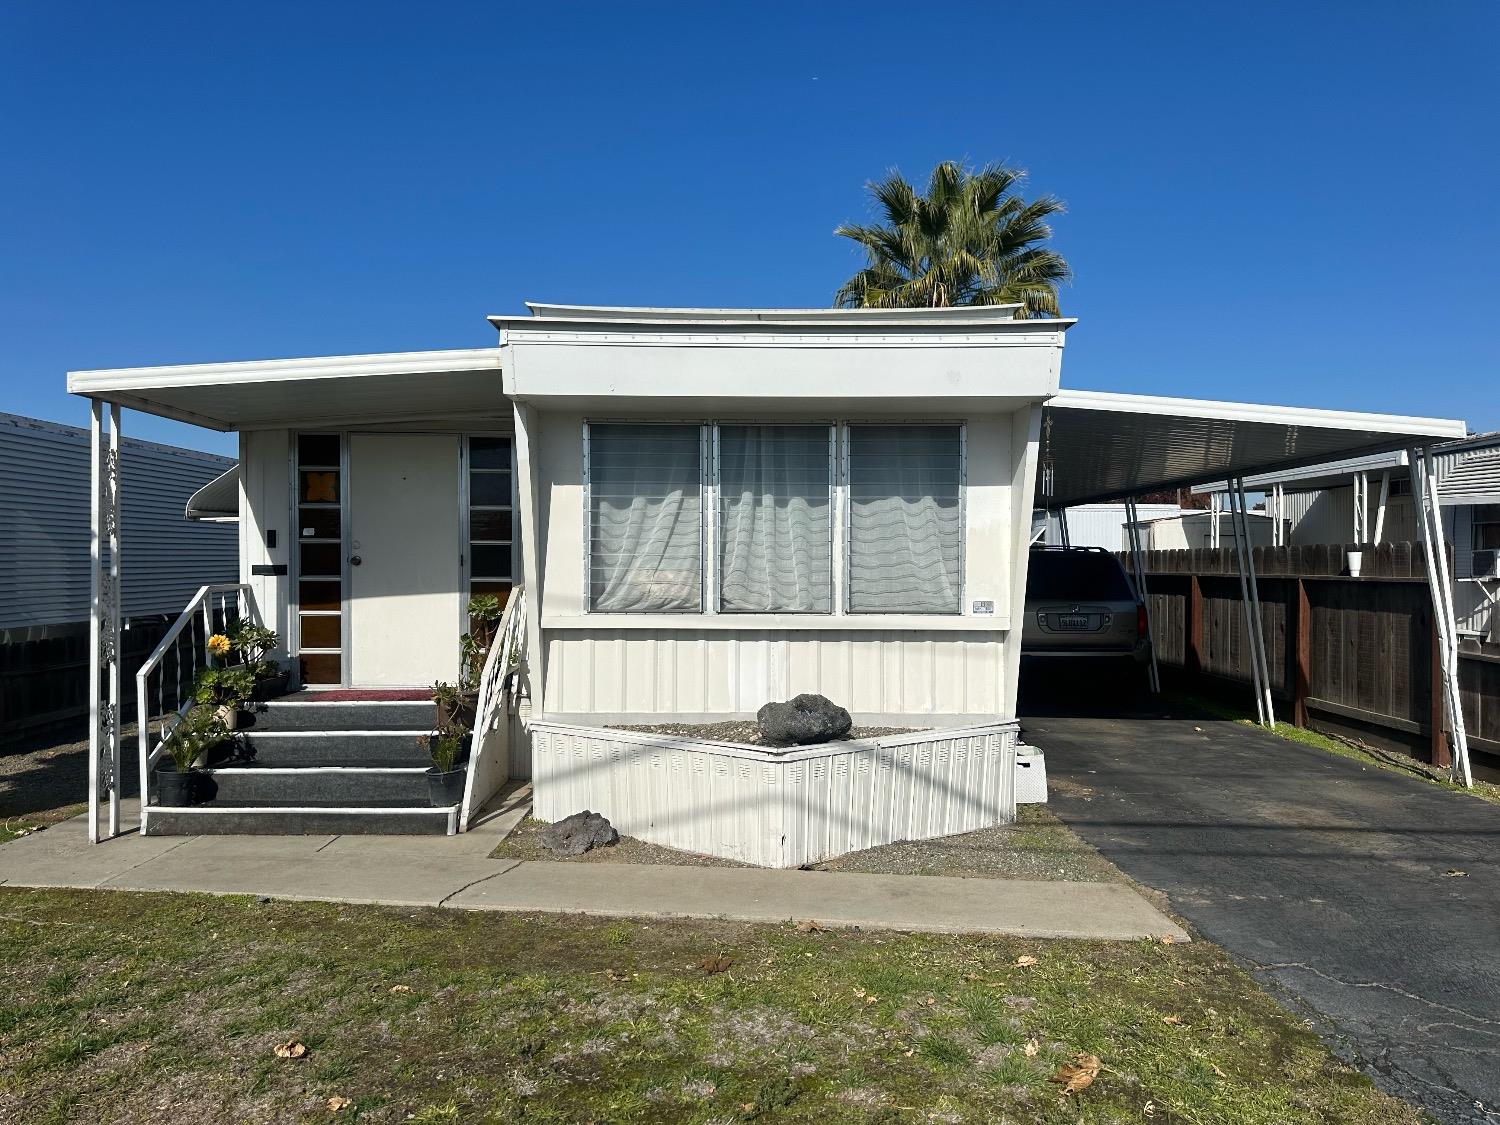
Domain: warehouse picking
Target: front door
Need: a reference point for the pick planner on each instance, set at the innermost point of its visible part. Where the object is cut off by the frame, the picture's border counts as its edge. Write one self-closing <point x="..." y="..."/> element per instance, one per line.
<point x="404" y="559"/>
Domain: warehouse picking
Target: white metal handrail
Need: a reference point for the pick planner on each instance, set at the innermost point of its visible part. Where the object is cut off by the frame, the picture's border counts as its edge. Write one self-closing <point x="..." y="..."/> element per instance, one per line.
<point x="496" y="685"/>
<point x="201" y="608"/>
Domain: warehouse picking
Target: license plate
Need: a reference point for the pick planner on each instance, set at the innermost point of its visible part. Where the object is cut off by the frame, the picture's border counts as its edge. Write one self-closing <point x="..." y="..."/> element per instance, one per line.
<point x="1074" y="621"/>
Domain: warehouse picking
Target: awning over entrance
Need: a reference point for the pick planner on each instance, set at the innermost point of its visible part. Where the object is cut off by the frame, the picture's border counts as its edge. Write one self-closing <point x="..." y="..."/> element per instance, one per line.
<point x="217" y="501"/>
<point x="1101" y="446"/>
<point x="347" y="390"/>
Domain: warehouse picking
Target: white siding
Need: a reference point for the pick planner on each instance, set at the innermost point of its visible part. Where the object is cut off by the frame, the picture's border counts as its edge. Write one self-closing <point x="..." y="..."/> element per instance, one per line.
<point x="778" y="809"/>
<point x="705" y="673"/>
<point x="44" y="526"/>
<point x="1102" y="525"/>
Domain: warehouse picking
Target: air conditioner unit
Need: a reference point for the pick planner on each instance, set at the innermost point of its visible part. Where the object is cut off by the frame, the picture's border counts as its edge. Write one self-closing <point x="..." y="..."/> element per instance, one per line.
<point x="1486" y="564"/>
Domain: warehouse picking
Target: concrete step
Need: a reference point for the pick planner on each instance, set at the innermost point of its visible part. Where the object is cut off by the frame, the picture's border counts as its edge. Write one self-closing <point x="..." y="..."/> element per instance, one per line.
<point x="343" y="785"/>
<point x="307" y="818"/>
<point x="297" y="748"/>
<point x="301" y="714"/>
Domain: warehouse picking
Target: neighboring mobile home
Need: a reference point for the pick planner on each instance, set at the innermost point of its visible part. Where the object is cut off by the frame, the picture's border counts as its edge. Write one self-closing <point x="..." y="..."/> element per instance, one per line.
<point x="44" y="561"/>
<point x="711" y="509"/>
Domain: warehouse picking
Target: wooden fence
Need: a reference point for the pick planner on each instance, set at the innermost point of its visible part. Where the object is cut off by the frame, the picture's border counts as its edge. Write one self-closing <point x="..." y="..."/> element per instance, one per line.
<point x="1349" y="655"/>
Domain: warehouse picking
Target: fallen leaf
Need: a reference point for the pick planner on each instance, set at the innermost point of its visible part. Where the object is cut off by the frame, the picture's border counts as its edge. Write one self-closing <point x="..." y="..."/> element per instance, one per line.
<point x="1078" y="1073"/>
<point x="291" y="1049"/>
<point x="1149" y="1109"/>
<point x="1025" y="961"/>
<point x="811" y="927"/>
<point x="1168" y="939"/>
<point x="715" y="964"/>
<point x="337" y="1103"/>
<point x="872" y="999"/>
<point x="1171" y="1019"/>
<point x="400" y="988"/>
<point x="1031" y="1048"/>
<point x="1455" y="873"/>
<point x="1219" y="1072"/>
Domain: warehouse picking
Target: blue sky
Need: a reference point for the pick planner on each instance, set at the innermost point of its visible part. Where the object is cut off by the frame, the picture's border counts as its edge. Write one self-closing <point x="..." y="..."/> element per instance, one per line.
<point x="1281" y="203"/>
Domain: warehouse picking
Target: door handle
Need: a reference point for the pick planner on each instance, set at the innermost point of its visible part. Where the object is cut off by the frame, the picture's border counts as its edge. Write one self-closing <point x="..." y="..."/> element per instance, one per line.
<point x="355" y="560"/>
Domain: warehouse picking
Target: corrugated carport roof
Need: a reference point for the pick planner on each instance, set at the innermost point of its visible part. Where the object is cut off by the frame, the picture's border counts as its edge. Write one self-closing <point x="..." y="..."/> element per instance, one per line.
<point x="1098" y="445"/>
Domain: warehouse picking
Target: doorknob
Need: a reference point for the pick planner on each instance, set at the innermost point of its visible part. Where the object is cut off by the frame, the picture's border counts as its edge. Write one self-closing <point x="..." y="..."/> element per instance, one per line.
<point x="355" y="560"/>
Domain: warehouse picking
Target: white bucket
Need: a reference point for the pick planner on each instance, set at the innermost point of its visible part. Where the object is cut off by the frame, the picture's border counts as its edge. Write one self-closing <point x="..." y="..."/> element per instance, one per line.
<point x="1031" y="776"/>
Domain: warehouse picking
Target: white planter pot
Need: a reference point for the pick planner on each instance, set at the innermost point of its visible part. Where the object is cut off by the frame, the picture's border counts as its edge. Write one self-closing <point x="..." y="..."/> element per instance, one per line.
<point x="1031" y="776"/>
<point x="1356" y="561"/>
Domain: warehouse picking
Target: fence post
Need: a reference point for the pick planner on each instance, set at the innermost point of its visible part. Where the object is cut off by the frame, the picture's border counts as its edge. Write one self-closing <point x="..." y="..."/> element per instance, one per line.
<point x="1194" y="626"/>
<point x="1302" y="682"/>
<point x="1439" y="754"/>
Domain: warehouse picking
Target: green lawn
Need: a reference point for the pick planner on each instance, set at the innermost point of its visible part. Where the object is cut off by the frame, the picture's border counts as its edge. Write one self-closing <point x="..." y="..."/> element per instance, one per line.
<point x="168" y="1008"/>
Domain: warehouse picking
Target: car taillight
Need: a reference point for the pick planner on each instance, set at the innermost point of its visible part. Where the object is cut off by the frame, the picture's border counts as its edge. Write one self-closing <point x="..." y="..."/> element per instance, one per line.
<point x="1140" y="620"/>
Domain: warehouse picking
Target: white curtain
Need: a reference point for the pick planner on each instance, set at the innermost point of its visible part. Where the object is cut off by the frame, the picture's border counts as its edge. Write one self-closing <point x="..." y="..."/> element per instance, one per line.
<point x="775" y="535"/>
<point x="905" y="525"/>
<point x="645" y="518"/>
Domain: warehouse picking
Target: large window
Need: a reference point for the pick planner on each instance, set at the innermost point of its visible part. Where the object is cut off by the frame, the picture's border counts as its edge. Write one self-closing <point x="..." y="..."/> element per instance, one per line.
<point x="905" y="519"/>
<point x="741" y="518"/>
<point x="645" y="549"/>
<point x="775" y="530"/>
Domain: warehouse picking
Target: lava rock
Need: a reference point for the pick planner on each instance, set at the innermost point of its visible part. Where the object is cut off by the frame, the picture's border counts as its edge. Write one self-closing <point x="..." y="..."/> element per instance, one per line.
<point x="579" y="833"/>
<point x="802" y="721"/>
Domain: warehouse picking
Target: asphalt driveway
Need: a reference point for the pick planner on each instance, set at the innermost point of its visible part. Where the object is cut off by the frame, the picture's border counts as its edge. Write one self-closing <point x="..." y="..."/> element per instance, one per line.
<point x="1335" y="883"/>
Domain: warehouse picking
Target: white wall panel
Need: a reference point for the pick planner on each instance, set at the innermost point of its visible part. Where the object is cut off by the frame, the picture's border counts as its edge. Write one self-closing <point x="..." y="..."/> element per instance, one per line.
<point x="691" y="672"/>
<point x="777" y="808"/>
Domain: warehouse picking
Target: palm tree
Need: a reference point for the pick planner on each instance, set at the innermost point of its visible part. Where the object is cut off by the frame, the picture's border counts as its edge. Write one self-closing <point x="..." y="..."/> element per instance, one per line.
<point x="971" y="240"/>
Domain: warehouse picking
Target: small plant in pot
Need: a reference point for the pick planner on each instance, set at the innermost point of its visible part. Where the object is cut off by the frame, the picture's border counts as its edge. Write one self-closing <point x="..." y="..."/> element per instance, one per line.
<point x="196" y="735"/>
<point x="445" y="779"/>
<point x="223" y="690"/>
<point x="255" y="643"/>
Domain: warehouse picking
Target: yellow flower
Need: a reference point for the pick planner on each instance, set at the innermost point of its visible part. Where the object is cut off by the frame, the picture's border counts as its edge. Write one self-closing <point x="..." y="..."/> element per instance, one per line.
<point x="218" y="644"/>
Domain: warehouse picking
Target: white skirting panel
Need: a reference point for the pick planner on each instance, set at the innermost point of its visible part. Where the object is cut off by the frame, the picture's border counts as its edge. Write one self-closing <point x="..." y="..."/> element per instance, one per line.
<point x="636" y="672"/>
<point x="777" y="809"/>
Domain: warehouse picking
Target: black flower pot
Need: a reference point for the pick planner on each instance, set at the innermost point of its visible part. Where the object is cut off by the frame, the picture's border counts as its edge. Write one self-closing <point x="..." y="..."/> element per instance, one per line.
<point x="176" y="789"/>
<point x="444" y="789"/>
<point x="272" y="687"/>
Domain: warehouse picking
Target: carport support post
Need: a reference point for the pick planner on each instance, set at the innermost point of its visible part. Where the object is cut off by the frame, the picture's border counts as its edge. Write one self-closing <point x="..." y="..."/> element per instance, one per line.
<point x="1250" y="594"/>
<point x="1430" y="525"/>
<point x="104" y="620"/>
<point x="1138" y="570"/>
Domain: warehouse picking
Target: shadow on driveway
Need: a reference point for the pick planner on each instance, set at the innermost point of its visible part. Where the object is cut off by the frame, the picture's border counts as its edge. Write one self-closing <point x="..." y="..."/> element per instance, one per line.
<point x="1334" y="882"/>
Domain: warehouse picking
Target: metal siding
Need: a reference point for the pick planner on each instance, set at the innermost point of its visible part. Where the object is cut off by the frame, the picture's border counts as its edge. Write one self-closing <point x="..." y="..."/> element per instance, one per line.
<point x="44" y="525"/>
<point x="1470" y="474"/>
<point x="777" y="809"/>
<point x="713" y="672"/>
<point x="1102" y="525"/>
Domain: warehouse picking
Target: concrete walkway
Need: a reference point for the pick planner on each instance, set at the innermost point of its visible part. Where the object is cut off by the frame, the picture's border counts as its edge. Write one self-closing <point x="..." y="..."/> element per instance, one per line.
<point x="456" y="872"/>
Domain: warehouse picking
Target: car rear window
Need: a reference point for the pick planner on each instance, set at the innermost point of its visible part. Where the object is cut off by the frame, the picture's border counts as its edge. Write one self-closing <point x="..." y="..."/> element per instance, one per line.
<point x="1077" y="576"/>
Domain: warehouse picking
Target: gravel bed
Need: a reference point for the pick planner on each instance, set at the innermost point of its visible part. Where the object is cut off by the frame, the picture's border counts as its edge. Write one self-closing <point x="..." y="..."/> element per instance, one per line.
<point x="744" y="732"/>
<point x="1037" y="846"/>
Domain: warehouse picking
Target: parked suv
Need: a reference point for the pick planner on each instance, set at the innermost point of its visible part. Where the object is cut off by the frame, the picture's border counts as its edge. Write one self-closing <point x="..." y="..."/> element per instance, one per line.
<point x="1080" y="603"/>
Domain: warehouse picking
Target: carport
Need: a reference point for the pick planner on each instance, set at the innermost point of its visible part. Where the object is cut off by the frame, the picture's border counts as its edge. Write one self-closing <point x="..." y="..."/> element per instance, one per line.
<point x="1099" y="446"/>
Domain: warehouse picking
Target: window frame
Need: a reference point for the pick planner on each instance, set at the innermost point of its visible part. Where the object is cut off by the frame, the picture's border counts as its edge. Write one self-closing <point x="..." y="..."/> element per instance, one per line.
<point x="709" y="516"/>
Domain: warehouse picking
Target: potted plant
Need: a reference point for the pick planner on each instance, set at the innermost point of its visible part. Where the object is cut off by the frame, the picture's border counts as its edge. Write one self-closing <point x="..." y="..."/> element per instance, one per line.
<point x="194" y="737"/>
<point x="445" y="778"/>
<point x="255" y="643"/>
<point x="223" y="689"/>
<point x="458" y="704"/>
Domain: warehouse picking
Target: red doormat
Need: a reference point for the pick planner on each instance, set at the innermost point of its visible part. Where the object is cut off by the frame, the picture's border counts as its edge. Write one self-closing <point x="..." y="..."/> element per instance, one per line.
<point x="364" y="695"/>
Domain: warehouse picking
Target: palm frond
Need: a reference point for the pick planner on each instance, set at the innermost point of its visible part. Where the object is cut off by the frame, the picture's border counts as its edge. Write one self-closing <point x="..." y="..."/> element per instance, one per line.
<point x="970" y="239"/>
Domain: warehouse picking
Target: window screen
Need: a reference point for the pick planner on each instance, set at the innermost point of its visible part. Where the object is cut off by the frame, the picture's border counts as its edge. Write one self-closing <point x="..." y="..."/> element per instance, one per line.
<point x="775" y="535"/>
<point x="905" y="519"/>
<point x="645" y="518"/>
